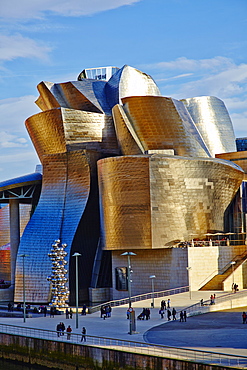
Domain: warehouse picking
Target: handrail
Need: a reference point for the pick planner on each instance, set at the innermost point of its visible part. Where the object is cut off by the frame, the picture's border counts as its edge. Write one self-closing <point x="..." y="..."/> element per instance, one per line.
<point x="219" y="299"/>
<point x="140" y="297"/>
<point x="197" y="356"/>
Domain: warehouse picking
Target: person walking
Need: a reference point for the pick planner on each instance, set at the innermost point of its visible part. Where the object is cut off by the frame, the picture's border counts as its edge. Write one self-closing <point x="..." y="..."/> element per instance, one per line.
<point x="62" y="328"/>
<point x="181" y="316"/>
<point x="174" y="314"/>
<point x="161" y="312"/>
<point x="83" y="334"/>
<point x="45" y="311"/>
<point x="69" y="331"/>
<point x="185" y="316"/>
<point x="168" y="315"/>
<point x="59" y="329"/>
<point x="67" y="313"/>
<point x="168" y="303"/>
<point x="244" y="316"/>
<point x="71" y="313"/>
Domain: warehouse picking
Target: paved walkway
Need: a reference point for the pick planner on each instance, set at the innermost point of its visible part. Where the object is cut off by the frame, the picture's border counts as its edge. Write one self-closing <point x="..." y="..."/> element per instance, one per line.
<point x="212" y="331"/>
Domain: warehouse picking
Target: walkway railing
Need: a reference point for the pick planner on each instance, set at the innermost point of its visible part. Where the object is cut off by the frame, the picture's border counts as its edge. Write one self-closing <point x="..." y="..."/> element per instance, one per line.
<point x="223" y="298"/>
<point x="233" y="361"/>
<point x="140" y="297"/>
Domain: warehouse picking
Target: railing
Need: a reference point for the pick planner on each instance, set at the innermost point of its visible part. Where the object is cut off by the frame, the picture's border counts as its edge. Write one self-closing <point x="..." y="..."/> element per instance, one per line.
<point x="140" y="297"/>
<point x="220" y="299"/>
<point x="198" y="356"/>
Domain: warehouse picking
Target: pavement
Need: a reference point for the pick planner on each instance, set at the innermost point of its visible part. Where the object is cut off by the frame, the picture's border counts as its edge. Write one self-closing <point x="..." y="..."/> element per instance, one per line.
<point x="221" y="332"/>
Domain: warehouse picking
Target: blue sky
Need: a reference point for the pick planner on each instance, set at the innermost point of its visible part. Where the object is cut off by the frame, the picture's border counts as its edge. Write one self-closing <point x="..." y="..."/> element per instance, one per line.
<point x="190" y="48"/>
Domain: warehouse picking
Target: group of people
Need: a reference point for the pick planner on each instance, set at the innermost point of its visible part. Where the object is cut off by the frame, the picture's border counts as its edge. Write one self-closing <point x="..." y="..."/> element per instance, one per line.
<point x="60" y="329"/>
<point x="69" y="313"/>
<point x="145" y="314"/>
<point x="105" y="311"/>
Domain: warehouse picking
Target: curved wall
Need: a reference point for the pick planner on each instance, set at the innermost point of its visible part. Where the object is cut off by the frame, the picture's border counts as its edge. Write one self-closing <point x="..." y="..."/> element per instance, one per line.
<point x="159" y="124"/>
<point x="154" y="201"/>
<point x="213" y="122"/>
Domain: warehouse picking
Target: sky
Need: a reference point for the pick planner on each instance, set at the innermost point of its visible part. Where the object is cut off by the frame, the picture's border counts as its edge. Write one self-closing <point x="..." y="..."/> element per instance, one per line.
<point x="190" y="48"/>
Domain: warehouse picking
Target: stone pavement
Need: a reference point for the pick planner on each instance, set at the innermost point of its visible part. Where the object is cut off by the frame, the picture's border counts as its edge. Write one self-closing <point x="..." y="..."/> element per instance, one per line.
<point x="205" y="332"/>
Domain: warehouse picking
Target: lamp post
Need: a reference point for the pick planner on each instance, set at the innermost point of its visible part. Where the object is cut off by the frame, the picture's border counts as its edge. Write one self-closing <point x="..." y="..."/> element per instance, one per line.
<point x="152" y="277"/>
<point x="233" y="263"/>
<point x="24" y="285"/>
<point x="76" y="255"/>
<point x="128" y="254"/>
<point x="189" y="270"/>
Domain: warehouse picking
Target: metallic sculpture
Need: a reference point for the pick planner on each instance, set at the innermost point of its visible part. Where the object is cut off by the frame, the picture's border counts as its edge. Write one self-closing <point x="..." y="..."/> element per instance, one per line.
<point x="58" y="279"/>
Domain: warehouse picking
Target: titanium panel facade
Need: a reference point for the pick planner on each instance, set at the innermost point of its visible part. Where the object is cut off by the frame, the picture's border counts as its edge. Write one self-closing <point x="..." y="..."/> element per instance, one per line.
<point x="162" y="123"/>
<point x="125" y="202"/>
<point x="154" y="201"/>
<point x="213" y="122"/>
<point x="65" y="192"/>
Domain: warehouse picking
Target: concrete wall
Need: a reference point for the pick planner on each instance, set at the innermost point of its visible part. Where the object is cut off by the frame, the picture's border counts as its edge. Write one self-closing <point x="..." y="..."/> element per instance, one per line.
<point x="204" y="265"/>
<point x="206" y="262"/>
<point x="68" y="356"/>
<point x="168" y="265"/>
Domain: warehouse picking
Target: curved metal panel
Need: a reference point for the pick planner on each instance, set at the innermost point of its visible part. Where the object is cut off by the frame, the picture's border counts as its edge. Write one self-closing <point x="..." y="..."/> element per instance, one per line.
<point x="125" y="202"/>
<point x="128" y="140"/>
<point x="165" y="198"/>
<point x="46" y="132"/>
<point x="189" y="196"/>
<point x="213" y="122"/>
<point x="159" y="124"/>
<point x="65" y="191"/>
<point x="129" y="81"/>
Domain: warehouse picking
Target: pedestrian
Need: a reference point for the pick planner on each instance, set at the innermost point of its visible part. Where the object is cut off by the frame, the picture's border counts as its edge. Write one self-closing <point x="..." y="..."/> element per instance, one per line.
<point x="84" y="308"/>
<point x="102" y="312"/>
<point x="71" y="313"/>
<point x="62" y="328"/>
<point x="83" y="334"/>
<point x="58" y="328"/>
<point x="181" y="316"/>
<point x="69" y="330"/>
<point x="168" y="303"/>
<point x="45" y="311"/>
<point x="67" y="313"/>
<point x="168" y="315"/>
<point x="202" y="304"/>
<point x="185" y="316"/>
<point x="174" y="314"/>
<point x="244" y="316"/>
<point x="161" y="312"/>
<point x="52" y="309"/>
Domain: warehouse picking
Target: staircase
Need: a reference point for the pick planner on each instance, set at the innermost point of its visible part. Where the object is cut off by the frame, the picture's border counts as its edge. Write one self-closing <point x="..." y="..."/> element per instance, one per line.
<point x="216" y="282"/>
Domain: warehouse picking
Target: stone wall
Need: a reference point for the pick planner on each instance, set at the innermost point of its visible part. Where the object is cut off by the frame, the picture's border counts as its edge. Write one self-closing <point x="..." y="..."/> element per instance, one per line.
<point x="69" y="356"/>
<point x="168" y="265"/>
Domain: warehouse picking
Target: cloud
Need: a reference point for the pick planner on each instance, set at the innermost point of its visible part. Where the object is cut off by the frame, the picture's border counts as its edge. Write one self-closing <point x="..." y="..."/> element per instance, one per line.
<point x="27" y="9"/>
<point x="185" y="64"/>
<point x="17" y="46"/>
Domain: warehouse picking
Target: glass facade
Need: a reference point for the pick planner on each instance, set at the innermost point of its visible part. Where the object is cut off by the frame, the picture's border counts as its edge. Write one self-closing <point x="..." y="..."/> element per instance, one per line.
<point x="241" y="144"/>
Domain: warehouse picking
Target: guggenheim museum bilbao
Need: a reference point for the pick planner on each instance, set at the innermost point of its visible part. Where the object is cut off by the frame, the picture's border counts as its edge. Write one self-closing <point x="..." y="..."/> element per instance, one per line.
<point x="125" y="169"/>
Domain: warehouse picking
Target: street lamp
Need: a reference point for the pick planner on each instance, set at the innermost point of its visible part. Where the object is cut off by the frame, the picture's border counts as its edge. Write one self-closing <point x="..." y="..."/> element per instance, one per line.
<point x="189" y="271"/>
<point x="24" y="285"/>
<point x="152" y="277"/>
<point x="233" y="263"/>
<point x="128" y="254"/>
<point x="76" y="255"/>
